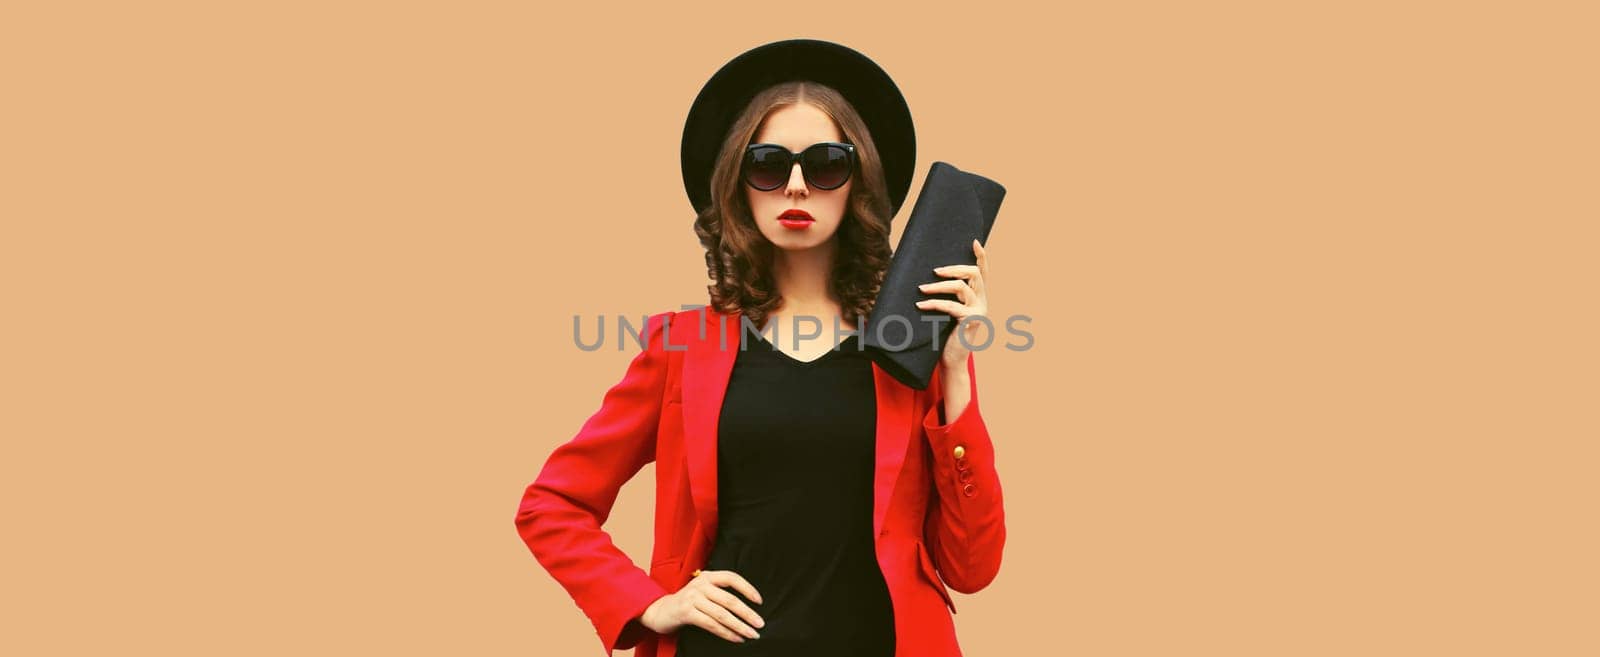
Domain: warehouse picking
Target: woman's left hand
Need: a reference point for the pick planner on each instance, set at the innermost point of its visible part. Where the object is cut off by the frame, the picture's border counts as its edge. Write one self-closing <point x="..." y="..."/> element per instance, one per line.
<point x="968" y="286"/>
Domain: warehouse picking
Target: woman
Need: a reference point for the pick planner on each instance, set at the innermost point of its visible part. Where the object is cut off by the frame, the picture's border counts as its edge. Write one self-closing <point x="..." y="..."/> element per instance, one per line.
<point x="806" y="503"/>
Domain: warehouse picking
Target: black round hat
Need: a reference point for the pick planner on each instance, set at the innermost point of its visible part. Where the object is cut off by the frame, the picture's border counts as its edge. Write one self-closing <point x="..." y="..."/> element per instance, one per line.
<point x="861" y="81"/>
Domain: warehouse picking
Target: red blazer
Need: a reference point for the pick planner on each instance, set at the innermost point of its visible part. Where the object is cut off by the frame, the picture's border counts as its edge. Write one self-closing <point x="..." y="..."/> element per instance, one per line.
<point x="937" y="517"/>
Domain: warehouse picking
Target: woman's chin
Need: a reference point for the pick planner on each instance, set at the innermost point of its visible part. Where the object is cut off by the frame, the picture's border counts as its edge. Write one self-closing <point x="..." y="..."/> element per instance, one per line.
<point x="797" y="244"/>
<point x="789" y="239"/>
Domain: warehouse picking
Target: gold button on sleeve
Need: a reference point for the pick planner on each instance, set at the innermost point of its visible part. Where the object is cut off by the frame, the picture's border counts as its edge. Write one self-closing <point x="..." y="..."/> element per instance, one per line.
<point x="960" y="451"/>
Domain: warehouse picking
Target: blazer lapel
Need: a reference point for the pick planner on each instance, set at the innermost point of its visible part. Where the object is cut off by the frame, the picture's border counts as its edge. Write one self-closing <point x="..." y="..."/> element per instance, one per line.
<point x="706" y="368"/>
<point x="896" y="406"/>
<point x="707" y="365"/>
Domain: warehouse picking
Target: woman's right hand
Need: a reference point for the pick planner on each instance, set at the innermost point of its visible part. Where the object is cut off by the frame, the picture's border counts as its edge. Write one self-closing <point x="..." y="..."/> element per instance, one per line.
<point x="705" y="604"/>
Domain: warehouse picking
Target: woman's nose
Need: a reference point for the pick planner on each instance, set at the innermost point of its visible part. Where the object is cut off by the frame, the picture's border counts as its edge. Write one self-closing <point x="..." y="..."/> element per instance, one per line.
<point x="797" y="181"/>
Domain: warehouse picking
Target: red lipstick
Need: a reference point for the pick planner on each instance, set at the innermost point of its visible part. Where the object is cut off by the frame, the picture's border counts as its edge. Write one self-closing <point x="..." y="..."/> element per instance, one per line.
<point x="795" y="219"/>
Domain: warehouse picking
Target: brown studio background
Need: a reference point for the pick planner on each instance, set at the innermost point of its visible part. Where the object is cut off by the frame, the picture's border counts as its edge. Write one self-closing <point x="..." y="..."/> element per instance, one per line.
<point x="288" y="294"/>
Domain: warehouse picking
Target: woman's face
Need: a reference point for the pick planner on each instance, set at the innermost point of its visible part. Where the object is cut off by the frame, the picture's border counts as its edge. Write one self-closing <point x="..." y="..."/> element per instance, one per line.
<point x="795" y="127"/>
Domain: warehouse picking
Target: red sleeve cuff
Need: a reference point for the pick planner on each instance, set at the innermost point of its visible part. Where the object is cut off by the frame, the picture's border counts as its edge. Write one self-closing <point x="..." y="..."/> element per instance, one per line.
<point x="622" y="630"/>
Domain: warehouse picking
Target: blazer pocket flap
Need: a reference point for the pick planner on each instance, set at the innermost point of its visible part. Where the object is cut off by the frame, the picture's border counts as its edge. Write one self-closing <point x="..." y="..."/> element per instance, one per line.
<point x="665" y="570"/>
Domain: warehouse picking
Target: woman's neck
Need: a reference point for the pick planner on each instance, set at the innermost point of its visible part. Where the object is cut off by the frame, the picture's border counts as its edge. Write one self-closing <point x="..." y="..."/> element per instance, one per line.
<point x="802" y="280"/>
<point x="802" y="276"/>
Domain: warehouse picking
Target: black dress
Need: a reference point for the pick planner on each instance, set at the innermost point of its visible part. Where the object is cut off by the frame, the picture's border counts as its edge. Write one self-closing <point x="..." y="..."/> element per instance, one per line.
<point x="795" y="458"/>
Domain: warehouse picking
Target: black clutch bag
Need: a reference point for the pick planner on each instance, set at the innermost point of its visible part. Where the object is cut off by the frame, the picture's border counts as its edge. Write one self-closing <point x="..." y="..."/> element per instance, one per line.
<point x="953" y="208"/>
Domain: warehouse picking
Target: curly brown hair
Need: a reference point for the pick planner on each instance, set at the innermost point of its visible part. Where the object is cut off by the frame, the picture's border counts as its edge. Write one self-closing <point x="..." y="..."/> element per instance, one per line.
<point x="739" y="258"/>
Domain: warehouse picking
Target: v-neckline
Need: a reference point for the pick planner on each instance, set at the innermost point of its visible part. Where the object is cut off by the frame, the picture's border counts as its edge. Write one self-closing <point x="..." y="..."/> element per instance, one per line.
<point x="836" y="350"/>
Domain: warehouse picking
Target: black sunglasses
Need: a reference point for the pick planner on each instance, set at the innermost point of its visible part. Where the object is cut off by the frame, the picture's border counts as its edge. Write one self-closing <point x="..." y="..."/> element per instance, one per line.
<point x="825" y="165"/>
